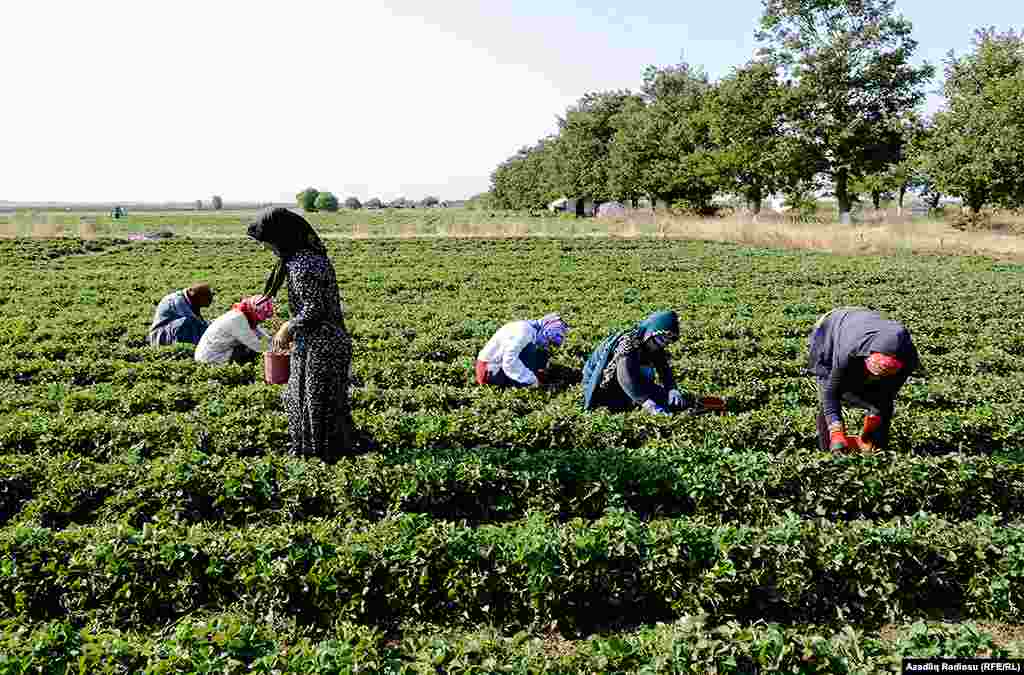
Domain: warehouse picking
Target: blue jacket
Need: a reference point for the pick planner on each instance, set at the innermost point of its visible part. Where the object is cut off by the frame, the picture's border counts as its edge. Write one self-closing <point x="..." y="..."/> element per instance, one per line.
<point x="595" y="365"/>
<point x="176" y="321"/>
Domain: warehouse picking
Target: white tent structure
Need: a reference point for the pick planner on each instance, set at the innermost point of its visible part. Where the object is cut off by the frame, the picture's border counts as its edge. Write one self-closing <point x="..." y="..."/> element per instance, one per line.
<point x="560" y="204"/>
<point x="581" y="207"/>
<point x="611" y="210"/>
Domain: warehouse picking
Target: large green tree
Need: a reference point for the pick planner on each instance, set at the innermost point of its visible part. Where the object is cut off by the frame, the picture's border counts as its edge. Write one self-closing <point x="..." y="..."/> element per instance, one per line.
<point x="326" y="201"/>
<point x="662" y="145"/>
<point x="754" y="152"/>
<point x="976" y="147"/>
<point x="850" y="61"/>
<point x="306" y="199"/>
<point x="528" y="179"/>
<point x="584" y="144"/>
<point x="898" y="171"/>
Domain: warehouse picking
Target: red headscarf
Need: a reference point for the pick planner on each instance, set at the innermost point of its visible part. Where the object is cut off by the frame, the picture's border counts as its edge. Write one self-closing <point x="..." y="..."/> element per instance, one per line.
<point x="882" y="364"/>
<point x="257" y="308"/>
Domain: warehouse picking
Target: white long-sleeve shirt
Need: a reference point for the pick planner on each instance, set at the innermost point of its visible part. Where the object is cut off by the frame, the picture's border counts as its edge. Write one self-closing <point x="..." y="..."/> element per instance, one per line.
<point x="501" y="353"/>
<point x="227" y="332"/>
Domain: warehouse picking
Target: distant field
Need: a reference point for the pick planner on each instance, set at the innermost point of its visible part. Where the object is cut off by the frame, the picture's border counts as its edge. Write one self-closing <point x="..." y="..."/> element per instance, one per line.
<point x="450" y="222"/>
<point x="883" y="232"/>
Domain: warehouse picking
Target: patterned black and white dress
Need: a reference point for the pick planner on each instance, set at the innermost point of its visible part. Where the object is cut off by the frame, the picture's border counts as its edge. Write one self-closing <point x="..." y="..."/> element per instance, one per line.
<point x="316" y="398"/>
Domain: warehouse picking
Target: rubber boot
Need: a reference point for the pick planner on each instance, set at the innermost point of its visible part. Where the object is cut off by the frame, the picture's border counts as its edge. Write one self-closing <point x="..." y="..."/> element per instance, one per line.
<point x="868" y="441"/>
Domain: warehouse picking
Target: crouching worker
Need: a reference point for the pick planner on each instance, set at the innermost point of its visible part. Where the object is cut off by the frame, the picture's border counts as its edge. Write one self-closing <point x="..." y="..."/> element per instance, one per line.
<point x="517" y="355"/>
<point x="178" y="318"/>
<point x="236" y="336"/>
<point x="861" y="359"/>
<point x="620" y="372"/>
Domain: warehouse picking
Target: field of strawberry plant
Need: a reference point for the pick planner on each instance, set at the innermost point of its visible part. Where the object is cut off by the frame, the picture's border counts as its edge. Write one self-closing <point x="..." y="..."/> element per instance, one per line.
<point x="150" y="520"/>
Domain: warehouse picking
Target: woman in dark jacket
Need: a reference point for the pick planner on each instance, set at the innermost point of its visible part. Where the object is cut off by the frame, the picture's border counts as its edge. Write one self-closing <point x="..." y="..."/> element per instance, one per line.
<point x="316" y="397"/>
<point x="178" y="318"/>
<point x="863" y="360"/>
<point x="620" y="372"/>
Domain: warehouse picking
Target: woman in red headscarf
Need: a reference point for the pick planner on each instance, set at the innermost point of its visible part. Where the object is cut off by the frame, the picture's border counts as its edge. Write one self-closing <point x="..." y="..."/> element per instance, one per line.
<point x="864" y="360"/>
<point x="236" y="336"/>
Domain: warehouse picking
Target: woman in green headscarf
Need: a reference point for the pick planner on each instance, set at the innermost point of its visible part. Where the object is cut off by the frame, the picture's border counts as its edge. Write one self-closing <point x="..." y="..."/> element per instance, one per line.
<point x="620" y="372"/>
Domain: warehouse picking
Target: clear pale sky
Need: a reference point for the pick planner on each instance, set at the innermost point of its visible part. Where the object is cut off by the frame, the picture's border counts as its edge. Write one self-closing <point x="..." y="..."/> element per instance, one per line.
<point x="257" y="100"/>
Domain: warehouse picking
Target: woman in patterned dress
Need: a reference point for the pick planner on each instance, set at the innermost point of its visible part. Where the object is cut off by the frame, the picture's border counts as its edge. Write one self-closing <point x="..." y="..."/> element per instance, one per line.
<point x="316" y="397"/>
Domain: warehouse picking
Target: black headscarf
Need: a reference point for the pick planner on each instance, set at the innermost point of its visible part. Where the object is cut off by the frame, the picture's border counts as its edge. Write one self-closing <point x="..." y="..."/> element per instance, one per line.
<point x="287" y="233"/>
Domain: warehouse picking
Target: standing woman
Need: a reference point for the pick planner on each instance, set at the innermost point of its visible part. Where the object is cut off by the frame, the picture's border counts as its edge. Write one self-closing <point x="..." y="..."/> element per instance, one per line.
<point x="864" y="360"/>
<point x="316" y="398"/>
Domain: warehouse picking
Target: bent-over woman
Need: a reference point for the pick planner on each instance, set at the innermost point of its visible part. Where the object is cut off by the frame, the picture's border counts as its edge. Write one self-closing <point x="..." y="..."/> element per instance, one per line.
<point x="518" y="353"/>
<point x="863" y="360"/>
<point x="236" y="336"/>
<point x="178" y="316"/>
<point x="620" y="372"/>
<point x="316" y="396"/>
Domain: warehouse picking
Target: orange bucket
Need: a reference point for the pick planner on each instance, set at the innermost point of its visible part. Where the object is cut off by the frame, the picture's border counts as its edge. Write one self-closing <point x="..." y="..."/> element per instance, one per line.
<point x="276" y="367"/>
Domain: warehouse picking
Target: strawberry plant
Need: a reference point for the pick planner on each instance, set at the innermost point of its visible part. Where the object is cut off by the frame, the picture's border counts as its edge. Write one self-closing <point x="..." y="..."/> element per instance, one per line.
<point x="151" y="520"/>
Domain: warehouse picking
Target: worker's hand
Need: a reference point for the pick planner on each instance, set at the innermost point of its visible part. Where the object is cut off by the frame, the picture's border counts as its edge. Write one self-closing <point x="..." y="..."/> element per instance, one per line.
<point x="837" y="437"/>
<point x="863" y="444"/>
<point x="677" y="400"/>
<point x="652" y="408"/>
<point x="283" y="337"/>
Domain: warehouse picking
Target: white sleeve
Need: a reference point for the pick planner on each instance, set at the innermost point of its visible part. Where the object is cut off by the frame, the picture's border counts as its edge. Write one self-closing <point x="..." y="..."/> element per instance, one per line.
<point x="510" y="363"/>
<point x="247" y="336"/>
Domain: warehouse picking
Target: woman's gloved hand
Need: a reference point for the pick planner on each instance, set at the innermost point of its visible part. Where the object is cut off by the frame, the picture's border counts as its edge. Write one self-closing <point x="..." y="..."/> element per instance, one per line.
<point x="652" y="408"/>
<point x="837" y="437"/>
<point x="677" y="400"/>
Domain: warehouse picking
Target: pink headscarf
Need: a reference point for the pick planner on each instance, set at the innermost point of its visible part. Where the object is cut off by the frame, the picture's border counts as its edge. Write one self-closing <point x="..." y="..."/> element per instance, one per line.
<point x="257" y="308"/>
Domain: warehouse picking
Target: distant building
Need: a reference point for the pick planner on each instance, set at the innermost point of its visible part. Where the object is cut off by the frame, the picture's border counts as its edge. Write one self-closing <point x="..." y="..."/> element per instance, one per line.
<point x="611" y="210"/>
<point x="580" y="207"/>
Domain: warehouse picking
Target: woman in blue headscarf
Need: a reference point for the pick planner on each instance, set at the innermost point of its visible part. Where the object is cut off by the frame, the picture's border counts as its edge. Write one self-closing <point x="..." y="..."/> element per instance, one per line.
<point x="517" y="354"/>
<point x="620" y="372"/>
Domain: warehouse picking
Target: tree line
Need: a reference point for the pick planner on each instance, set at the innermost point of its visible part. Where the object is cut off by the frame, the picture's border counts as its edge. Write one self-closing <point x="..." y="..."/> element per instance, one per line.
<point x="312" y="200"/>
<point x="831" y="101"/>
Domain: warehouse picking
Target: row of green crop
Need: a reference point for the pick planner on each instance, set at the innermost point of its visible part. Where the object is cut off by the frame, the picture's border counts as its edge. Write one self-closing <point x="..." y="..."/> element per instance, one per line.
<point x="163" y="387"/>
<point x="578" y="575"/>
<point x="20" y="252"/>
<point x="228" y="643"/>
<point x="247" y="422"/>
<point x="492" y="486"/>
<point x="85" y="323"/>
<point x="722" y="290"/>
<point x="437" y="360"/>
